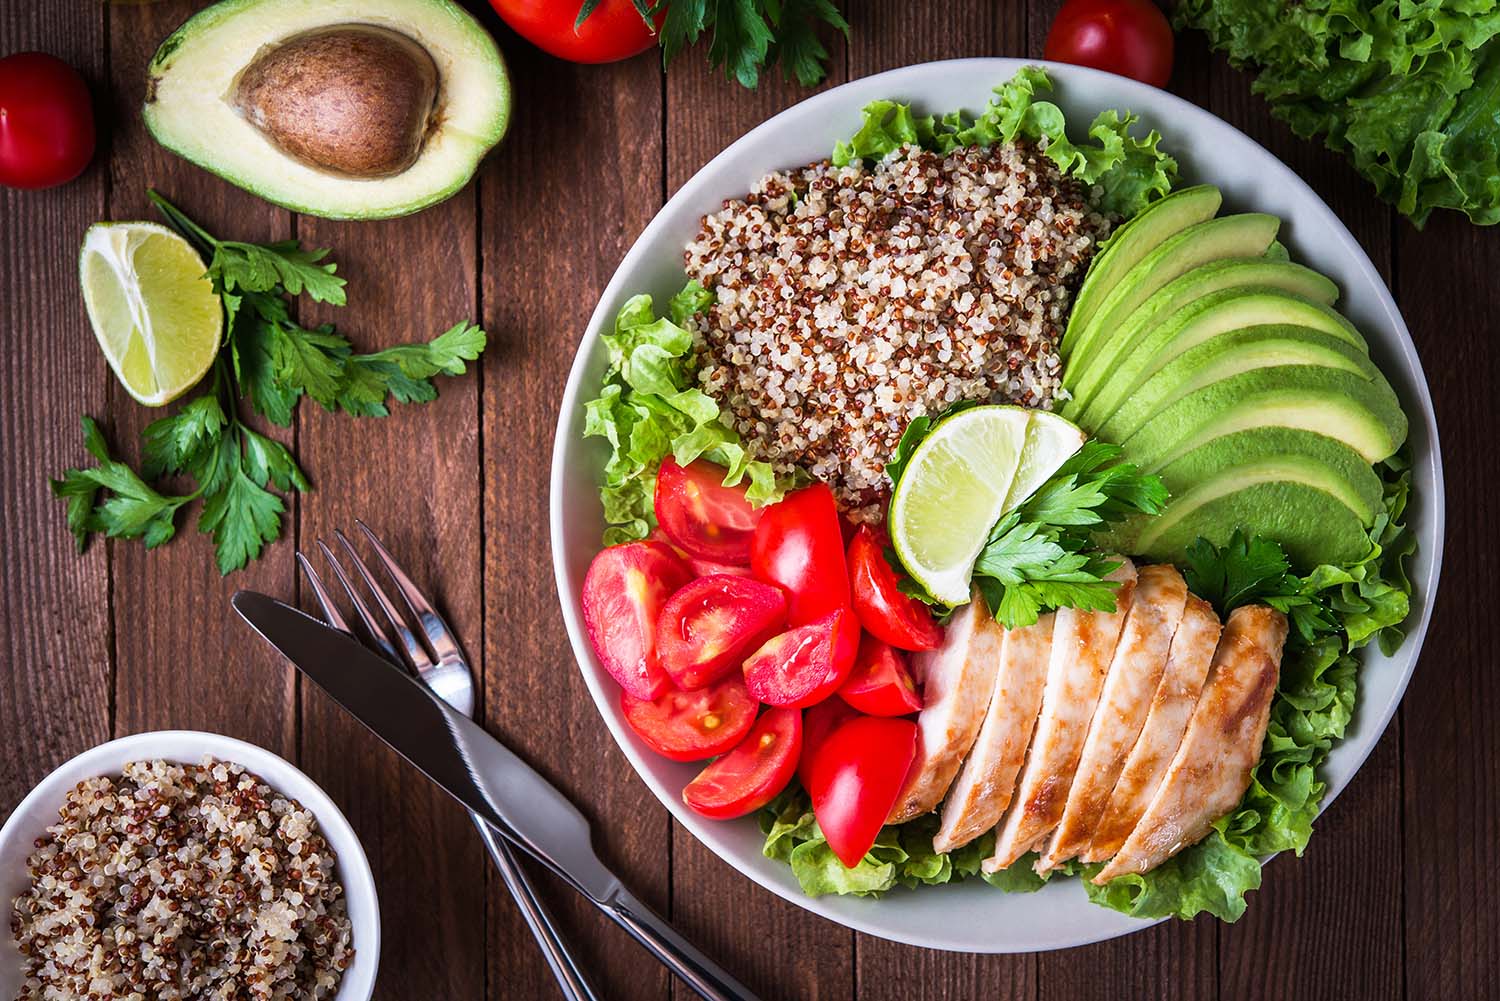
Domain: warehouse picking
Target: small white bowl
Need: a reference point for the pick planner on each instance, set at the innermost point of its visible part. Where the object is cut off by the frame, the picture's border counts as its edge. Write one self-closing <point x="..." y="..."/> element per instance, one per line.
<point x="39" y="809"/>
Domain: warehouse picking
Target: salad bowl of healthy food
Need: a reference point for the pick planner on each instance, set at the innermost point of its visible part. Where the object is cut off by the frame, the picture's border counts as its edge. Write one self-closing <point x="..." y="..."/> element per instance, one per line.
<point x="996" y="506"/>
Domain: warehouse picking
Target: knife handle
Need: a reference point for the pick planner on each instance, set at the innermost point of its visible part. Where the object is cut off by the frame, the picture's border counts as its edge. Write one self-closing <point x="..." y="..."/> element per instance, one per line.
<point x="703" y="975"/>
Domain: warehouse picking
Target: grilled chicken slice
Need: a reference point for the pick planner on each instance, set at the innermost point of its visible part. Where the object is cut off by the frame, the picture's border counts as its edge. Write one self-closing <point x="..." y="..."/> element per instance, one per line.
<point x="957" y="680"/>
<point x="983" y="788"/>
<point x="1211" y="770"/>
<point x="1083" y="643"/>
<point x="1134" y="674"/>
<point x="1192" y="652"/>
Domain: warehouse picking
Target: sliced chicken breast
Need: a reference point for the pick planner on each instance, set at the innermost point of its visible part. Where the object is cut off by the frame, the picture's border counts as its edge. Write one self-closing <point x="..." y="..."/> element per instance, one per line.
<point x="1211" y="770"/>
<point x="1192" y="652"/>
<point x="984" y="785"/>
<point x="1083" y="644"/>
<point x="957" y="681"/>
<point x="1134" y="675"/>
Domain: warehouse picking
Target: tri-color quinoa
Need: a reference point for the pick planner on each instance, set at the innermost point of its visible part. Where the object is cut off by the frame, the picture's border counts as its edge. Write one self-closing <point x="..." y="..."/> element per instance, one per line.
<point x="849" y="300"/>
<point x="182" y="881"/>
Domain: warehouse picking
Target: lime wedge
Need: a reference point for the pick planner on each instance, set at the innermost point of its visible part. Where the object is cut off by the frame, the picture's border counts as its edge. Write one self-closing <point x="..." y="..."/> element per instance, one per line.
<point x="156" y="316"/>
<point x="1050" y="441"/>
<point x="952" y="492"/>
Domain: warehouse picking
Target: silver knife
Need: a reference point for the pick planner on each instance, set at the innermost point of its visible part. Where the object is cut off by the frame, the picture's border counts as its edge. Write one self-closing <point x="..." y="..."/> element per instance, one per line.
<point x="478" y="771"/>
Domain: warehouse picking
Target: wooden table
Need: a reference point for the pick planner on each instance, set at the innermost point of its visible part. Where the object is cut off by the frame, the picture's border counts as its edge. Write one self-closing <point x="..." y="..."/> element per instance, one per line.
<point x="1395" y="898"/>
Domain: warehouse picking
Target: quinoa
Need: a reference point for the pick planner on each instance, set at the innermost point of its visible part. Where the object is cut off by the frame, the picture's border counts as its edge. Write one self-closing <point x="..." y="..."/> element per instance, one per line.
<point x="182" y="881"/>
<point x="850" y="300"/>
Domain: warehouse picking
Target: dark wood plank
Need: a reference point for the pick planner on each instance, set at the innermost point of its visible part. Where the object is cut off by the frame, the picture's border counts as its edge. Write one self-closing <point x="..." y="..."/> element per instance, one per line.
<point x="578" y="178"/>
<point x="54" y="602"/>
<point x="1451" y="763"/>
<point x="171" y="605"/>
<point x="414" y="478"/>
<point x="705" y="113"/>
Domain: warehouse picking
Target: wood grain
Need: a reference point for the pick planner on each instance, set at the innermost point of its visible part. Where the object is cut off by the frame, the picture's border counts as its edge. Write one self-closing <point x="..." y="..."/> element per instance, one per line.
<point x="57" y="644"/>
<point x="577" y="179"/>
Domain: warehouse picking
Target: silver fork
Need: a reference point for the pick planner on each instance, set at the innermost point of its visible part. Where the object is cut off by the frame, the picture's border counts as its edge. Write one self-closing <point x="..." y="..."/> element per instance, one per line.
<point x="435" y="657"/>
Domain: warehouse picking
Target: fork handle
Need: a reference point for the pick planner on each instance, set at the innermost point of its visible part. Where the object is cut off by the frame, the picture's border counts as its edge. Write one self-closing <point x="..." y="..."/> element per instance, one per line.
<point x="570" y="979"/>
<point x="710" y="981"/>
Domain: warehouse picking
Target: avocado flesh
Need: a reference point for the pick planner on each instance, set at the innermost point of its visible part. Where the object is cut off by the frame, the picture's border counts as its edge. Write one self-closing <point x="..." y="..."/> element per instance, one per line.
<point x="1247" y="235"/>
<point x="1228" y="355"/>
<point x="1203" y="319"/>
<point x="191" y="85"/>
<point x="1133" y="241"/>
<point x="1086" y="370"/>
<point x="1362" y="414"/>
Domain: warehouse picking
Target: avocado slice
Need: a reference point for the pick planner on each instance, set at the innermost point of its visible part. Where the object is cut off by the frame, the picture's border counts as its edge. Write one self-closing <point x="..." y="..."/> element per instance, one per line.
<point x="1203" y="319"/>
<point x="358" y="110"/>
<point x="1363" y="414"/>
<point x="1086" y="370"/>
<point x="1227" y="355"/>
<point x="1246" y="235"/>
<point x="1133" y="241"/>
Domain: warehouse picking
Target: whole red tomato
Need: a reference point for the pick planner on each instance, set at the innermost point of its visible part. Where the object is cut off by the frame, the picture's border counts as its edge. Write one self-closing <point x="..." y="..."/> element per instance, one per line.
<point x="46" y="121"/>
<point x="613" y="30"/>
<point x="1128" y="37"/>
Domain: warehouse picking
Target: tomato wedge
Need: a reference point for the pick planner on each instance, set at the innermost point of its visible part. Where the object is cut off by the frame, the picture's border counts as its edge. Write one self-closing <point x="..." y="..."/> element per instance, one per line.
<point x="854" y="779"/>
<point x="750" y="776"/>
<point x="798" y="546"/>
<point x="806" y="664"/>
<point x="900" y="620"/>
<point x="692" y="726"/>
<point x="701" y="516"/>
<point x="623" y="594"/>
<point x="817" y="723"/>
<point x="879" y="683"/>
<point x="710" y="624"/>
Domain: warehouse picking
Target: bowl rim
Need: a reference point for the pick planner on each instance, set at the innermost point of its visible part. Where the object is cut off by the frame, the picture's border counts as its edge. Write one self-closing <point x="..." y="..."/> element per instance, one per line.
<point x="889" y="84"/>
<point x="352" y="867"/>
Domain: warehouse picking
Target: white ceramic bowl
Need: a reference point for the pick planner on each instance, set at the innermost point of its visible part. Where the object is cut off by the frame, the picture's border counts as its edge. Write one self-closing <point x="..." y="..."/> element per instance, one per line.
<point x="39" y="809"/>
<point x="973" y="916"/>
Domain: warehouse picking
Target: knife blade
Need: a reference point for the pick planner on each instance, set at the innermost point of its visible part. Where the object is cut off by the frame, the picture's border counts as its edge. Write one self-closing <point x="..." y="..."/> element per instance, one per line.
<point x="450" y="749"/>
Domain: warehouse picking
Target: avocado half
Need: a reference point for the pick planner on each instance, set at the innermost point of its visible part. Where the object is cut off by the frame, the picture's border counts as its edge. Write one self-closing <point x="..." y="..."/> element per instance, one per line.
<point x="357" y="110"/>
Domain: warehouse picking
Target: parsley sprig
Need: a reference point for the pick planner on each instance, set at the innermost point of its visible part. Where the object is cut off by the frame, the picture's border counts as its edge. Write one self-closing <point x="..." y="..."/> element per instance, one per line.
<point x="271" y="361"/>
<point x="746" y="36"/>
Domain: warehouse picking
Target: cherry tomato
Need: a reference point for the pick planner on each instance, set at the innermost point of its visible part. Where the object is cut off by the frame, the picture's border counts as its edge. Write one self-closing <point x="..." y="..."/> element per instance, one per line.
<point x="46" y="121"/>
<point x="701" y="516"/>
<point x="900" y="620"/>
<point x="615" y="30"/>
<point x="1128" y="37"/>
<point x="708" y="568"/>
<point x="817" y="723"/>
<point x="710" y="624"/>
<point x="623" y="594"/>
<point x="805" y="664"/>
<point x="692" y="726"/>
<point x="879" y="683"/>
<point x="797" y="546"/>
<point x="854" y="779"/>
<point x="750" y="776"/>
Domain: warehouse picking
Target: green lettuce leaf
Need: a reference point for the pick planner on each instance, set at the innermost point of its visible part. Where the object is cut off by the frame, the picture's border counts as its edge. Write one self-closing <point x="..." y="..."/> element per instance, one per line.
<point x="1126" y="170"/>
<point x="649" y="406"/>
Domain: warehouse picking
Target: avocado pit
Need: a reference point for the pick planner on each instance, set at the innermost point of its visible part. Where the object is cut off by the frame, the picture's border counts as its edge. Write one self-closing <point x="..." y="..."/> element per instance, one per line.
<point x="356" y="100"/>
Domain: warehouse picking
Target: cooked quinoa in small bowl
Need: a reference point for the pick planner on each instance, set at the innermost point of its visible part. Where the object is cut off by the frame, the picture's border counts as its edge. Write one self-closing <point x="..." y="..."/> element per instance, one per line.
<point x="184" y="865"/>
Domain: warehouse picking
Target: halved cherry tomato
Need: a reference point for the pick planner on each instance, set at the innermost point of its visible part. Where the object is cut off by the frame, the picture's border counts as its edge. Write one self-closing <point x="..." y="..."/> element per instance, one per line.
<point x="797" y="546"/>
<point x="692" y="726"/>
<point x="750" y="776"/>
<point x="900" y="620"/>
<point x="805" y="664"/>
<point x="701" y="516"/>
<point x="817" y="723"/>
<point x="623" y="594"/>
<point x="707" y="568"/>
<point x="710" y="624"/>
<point x="1128" y="37"/>
<point x="854" y="779"/>
<point x="879" y="684"/>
